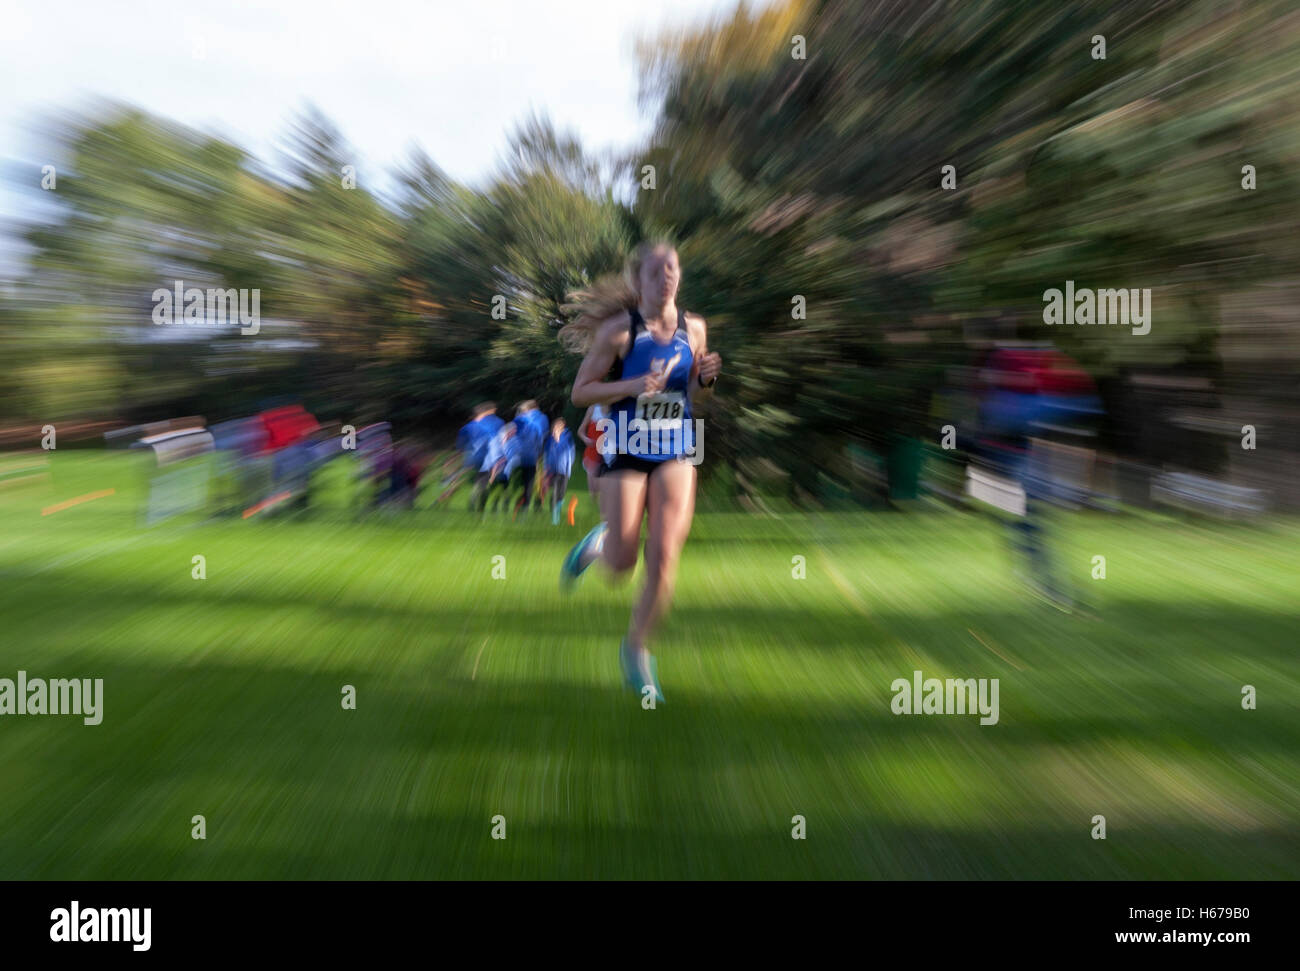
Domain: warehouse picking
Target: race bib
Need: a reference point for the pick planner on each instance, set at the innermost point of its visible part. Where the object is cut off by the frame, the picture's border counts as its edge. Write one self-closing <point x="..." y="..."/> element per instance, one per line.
<point x="663" y="410"/>
<point x="655" y="427"/>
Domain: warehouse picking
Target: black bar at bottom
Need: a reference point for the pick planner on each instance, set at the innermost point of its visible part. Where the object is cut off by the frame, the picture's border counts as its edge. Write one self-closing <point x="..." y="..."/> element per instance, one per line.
<point x="573" y="921"/>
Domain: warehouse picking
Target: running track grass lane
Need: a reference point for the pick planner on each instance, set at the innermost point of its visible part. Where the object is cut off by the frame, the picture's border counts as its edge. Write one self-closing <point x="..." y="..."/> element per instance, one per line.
<point x="478" y="697"/>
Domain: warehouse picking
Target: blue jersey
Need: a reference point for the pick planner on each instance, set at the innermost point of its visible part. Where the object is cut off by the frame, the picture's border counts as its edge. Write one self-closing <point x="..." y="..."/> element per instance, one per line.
<point x="1020" y="414"/>
<point x="514" y="454"/>
<point x="541" y="423"/>
<point x="659" y="426"/>
<point x="530" y="429"/>
<point x="474" y="437"/>
<point x="500" y="447"/>
<point x="559" y="454"/>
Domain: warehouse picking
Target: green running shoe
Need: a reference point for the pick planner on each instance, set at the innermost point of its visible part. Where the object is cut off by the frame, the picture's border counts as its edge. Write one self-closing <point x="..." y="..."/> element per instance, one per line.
<point x="640" y="671"/>
<point x="650" y="670"/>
<point x="631" y="665"/>
<point x="582" y="556"/>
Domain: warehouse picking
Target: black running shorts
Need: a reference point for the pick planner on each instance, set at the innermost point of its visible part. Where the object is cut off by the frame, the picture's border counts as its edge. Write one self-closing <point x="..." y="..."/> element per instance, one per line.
<point x="631" y="463"/>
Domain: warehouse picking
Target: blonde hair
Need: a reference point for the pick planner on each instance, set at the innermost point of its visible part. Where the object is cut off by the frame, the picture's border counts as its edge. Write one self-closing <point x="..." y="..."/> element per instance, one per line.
<point x="609" y="295"/>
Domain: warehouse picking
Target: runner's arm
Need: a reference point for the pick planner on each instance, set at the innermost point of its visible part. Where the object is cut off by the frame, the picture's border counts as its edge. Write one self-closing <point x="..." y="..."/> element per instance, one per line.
<point x="589" y="387"/>
<point x="704" y="372"/>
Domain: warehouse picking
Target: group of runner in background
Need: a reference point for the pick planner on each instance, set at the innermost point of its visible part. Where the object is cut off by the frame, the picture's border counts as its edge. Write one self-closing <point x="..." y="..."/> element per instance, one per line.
<point x="282" y="459"/>
<point x="515" y="465"/>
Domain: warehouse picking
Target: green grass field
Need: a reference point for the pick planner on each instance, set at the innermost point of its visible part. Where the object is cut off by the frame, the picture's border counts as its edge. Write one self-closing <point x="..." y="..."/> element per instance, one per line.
<point x="478" y="697"/>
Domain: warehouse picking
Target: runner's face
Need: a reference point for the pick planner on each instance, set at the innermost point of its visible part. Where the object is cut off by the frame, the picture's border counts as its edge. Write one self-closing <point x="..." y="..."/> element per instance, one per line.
<point x="660" y="276"/>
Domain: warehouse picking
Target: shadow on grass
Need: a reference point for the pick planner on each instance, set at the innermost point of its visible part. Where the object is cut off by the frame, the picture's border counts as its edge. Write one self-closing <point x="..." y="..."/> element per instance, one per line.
<point x="406" y="785"/>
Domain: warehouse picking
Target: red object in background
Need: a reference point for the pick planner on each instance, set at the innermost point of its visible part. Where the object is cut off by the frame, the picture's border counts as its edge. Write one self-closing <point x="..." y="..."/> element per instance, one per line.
<point x="286" y="426"/>
<point x="591" y="453"/>
<point x="1031" y="370"/>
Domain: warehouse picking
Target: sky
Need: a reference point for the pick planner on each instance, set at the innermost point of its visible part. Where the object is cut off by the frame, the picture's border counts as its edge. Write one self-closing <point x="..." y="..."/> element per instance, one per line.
<point x="452" y="77"/>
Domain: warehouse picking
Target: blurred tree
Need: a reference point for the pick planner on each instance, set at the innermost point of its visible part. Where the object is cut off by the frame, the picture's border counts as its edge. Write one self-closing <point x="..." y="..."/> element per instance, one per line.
<point x="798" y="151"/>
